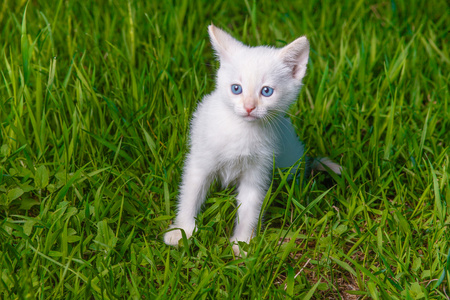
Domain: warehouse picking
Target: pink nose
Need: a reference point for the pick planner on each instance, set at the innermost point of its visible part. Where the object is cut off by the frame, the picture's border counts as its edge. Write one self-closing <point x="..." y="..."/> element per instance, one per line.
<point x="249" y="109"/>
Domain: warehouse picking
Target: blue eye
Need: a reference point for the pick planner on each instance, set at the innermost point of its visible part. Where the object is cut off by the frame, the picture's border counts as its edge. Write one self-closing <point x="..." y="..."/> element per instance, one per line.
<point x="267" y="91"/>
<point x="236" y="89"/>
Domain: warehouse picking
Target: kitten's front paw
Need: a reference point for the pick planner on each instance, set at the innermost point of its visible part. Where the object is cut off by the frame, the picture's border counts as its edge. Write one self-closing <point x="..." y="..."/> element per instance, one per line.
<point x="239" y="253"/>
<point x="172" y="237"/>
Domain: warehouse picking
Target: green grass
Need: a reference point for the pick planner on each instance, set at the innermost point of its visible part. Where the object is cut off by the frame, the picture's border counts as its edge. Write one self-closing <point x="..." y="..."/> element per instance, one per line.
<point x="95" y="103"/>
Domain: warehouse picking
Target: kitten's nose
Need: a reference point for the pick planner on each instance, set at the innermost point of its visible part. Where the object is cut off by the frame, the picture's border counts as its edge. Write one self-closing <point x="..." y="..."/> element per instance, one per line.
<point x="249" y="109"/>
<point x="250" y="104"/>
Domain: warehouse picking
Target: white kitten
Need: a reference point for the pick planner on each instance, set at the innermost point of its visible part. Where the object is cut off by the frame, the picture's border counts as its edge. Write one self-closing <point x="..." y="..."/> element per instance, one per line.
<point x="238" y="129"/>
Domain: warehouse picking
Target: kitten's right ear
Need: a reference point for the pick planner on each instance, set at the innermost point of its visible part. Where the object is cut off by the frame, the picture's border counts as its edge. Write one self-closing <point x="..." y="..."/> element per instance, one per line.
<point x="223" y="43"/>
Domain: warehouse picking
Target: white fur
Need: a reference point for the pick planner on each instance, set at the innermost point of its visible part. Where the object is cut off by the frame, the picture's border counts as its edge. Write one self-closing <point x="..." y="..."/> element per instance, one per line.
<point x="235" y="146"/>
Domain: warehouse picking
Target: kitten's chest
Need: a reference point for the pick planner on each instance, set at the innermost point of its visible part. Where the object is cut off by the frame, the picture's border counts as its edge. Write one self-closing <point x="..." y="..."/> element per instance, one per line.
<point x="238" y="152"/>
<point x="219" y="135"/>
<point x="235" y="142"/>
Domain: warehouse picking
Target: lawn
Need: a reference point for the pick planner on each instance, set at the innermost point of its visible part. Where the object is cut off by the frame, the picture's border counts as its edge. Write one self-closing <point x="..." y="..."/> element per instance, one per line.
<point x="95" y="103"/>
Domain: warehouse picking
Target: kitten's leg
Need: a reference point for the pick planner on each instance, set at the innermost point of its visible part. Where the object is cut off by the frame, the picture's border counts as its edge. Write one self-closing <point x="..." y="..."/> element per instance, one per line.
<point x="195" y="183"/>
<point x="251" y="192"/>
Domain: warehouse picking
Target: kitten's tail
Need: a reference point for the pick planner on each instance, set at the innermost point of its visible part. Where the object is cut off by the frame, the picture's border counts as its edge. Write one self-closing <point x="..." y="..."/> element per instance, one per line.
<point x="319" y="163"/>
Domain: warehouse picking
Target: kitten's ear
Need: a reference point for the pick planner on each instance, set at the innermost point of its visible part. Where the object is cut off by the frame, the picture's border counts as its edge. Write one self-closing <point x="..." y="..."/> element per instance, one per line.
<point x="295" y="55"/>
<point x="223" y="43"/>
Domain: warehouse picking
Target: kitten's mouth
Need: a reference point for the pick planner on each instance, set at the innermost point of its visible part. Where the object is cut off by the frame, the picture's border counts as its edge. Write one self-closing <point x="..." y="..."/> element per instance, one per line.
<point x="250" y="118"/>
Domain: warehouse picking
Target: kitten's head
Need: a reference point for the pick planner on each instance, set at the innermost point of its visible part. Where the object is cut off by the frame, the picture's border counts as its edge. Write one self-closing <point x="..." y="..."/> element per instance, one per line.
<point x="258" y="82"/>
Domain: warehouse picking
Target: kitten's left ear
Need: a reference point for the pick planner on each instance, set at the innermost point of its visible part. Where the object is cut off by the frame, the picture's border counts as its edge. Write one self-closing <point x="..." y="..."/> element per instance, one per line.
<point x="295" y="55"/>
<point x="223" y="43"/>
